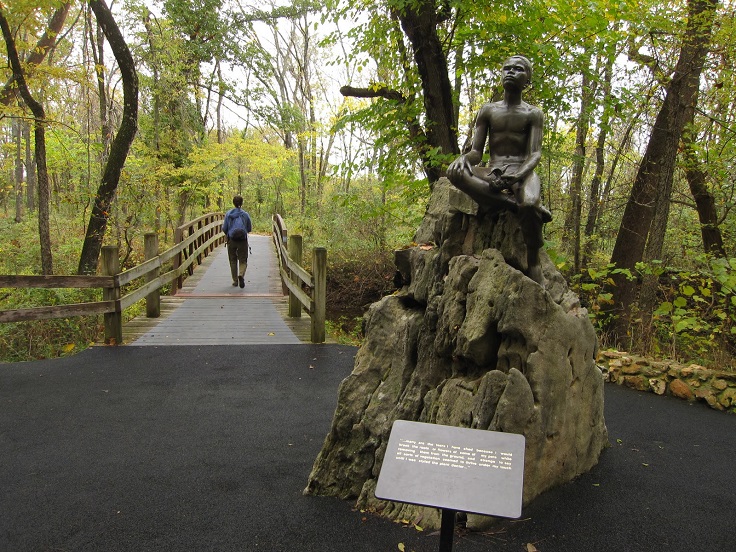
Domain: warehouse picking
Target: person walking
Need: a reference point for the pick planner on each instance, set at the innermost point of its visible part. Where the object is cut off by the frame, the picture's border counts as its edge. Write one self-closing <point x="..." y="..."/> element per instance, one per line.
<point x="236" y="226"/>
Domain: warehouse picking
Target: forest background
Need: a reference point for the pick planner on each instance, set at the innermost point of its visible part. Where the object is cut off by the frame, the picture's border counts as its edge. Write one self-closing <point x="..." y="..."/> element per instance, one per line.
<point x="340" y="115"/>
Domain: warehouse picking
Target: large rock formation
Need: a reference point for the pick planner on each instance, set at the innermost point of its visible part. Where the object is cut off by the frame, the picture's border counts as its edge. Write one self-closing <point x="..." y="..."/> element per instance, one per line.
<point x="468" y="341"/>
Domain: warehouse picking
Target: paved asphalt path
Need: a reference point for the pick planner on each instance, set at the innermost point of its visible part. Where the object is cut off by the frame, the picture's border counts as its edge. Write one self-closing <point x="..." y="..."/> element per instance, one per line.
<point x="209" y="448"/>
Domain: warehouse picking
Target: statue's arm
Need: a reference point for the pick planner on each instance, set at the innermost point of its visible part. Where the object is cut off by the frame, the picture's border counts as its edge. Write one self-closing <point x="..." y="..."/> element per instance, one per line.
<point x="534" y="145"/>
<point x="461" y="168"/>
<point x="480" y="135"/>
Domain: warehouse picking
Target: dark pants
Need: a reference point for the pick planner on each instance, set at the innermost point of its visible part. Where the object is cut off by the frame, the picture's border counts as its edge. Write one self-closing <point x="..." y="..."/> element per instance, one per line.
<point x="237" y="254"/>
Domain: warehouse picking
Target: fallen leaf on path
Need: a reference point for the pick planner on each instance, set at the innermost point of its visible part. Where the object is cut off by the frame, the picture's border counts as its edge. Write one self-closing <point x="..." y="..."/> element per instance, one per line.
<point x="531" y="548"/>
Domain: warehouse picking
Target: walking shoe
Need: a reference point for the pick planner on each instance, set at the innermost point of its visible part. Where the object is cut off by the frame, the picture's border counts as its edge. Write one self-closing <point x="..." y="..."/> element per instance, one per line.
<point x="241" y="280"/>
<point x="235" y="284"/>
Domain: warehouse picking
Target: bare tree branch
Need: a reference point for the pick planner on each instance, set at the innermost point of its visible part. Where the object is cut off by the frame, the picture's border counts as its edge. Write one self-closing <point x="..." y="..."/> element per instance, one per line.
<point x="373" y="92"/>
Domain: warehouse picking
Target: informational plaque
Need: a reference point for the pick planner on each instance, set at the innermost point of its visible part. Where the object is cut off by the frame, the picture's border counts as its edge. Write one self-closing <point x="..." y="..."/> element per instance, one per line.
<point x="467" y="470"/>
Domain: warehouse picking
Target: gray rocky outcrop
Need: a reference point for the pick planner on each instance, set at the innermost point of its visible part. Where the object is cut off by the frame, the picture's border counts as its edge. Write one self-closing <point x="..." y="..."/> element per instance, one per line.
<point x="468" y="341"/>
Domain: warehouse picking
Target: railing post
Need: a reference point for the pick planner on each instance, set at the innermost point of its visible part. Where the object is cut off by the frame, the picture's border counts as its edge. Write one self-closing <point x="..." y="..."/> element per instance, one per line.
<point x="199" y="241"/>
<point x="153" y="299"/>
<point x="212" y="233"/>
<point x="192" y="247"/>
<point x="295" y="254"/>
<point x="205" y="237"/>
<point x="319" y="311"/>
<point x="179" y="281"/>
<point x="113" y="320"/>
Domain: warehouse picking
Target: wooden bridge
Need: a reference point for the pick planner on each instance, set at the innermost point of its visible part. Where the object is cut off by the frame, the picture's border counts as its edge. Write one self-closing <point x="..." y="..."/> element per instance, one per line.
<point x="208" y="310"/>
<point x="281" y="303"/>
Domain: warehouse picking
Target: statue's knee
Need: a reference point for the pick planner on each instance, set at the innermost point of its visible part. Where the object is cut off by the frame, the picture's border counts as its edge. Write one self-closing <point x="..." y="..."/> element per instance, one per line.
<point x="527" y="204"/>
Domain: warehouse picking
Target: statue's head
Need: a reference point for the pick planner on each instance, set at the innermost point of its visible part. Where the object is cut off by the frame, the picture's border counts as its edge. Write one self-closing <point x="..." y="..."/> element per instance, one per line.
<point x="525" y="63"/>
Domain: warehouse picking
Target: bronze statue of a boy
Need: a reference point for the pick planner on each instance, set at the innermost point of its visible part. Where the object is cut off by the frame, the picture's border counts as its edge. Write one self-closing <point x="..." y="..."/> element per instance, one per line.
<point x="513" y="130"/>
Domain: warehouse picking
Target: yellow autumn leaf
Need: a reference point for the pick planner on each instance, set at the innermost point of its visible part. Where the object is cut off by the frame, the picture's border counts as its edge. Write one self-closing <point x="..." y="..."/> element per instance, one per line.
<point x="68" y="347"/>
<point x="531" y="548"/>
<point x="401" y="546"/>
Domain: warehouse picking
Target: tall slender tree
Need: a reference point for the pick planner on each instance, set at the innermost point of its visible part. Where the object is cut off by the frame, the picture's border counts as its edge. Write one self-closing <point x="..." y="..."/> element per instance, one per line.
<point x="95" y="233"/>
<point x="574" y="215"/>
<point x="705" y="203"/>
<point x="594" y="196"/>
<point x="39" y="131"/>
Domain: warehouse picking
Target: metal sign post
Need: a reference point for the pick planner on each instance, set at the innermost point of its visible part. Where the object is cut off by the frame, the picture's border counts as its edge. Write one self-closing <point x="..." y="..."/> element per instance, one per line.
<point x="455" y="469"/>
<point x="447" y="529"/>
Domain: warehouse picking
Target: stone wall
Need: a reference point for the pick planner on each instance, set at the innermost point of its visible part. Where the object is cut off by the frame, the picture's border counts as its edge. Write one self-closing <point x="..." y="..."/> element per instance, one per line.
<point x="690" y="382"/>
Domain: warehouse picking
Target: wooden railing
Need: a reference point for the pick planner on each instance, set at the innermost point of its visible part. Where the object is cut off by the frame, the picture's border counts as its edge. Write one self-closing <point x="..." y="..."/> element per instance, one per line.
<point x="306" y="291"/>
<point x="194" y="240"/>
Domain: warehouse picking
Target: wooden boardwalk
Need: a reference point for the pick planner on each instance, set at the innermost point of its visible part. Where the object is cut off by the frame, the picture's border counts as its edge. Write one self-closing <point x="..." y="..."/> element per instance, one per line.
<point x="208" y="310"/>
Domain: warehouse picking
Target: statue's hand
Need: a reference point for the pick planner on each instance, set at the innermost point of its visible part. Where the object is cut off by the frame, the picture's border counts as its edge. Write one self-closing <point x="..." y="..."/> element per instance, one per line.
<point x="456" y="169"/>
<point x="495" y="182"/>
<point x="509" y="180"/>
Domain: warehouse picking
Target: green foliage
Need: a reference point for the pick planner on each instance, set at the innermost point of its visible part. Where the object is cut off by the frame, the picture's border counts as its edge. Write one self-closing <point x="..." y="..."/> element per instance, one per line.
<point x="19" y="254"/>
<point x="373" y="214"/>
<point x="696" y="320"/>
<point x="593" y="286"/>
<point x="346" y="331"/>
<point x="695" y="315"/>
<point x="40" y="339"/>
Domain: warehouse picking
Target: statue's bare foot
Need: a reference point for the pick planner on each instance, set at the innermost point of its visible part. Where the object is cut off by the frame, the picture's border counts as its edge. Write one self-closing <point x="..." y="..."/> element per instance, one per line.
<point x="544" y="213"/>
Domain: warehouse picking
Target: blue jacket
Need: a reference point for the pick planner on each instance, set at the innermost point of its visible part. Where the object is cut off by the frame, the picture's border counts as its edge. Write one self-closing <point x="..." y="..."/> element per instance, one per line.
<point x="231" y="214"/>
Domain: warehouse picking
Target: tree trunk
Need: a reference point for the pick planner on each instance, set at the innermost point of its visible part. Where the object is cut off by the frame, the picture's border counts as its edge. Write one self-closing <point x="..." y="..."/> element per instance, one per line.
<point x="705" y="203"/>
<point x="657" y="166"/>
<point x="420" y="26"/>
<point x="653" y="251"/>
<point x="302" y="178"/>
<point x="218" y="109"/>
<point x="156" y="113"/>
<point x="39" y="129"/>
<point x="574" y="216"/>
<point x="594" y="199"/>
<point x="97" y="42"/>
<point x="30" y="169"/>
<point x="457" y="84"/>
<point x="707" y="214"/>
<point x="18" y="173"/>
<point x="119" y="149"/>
